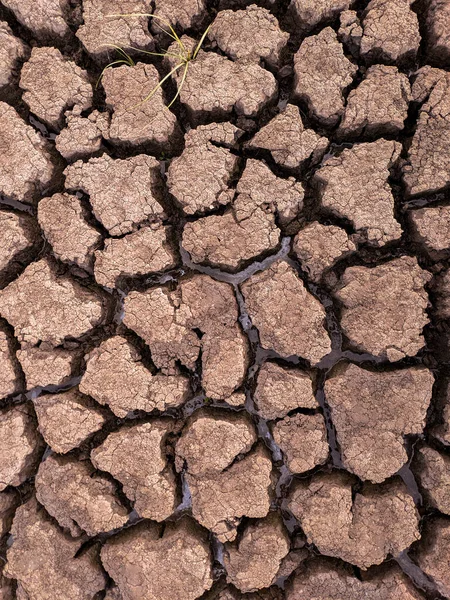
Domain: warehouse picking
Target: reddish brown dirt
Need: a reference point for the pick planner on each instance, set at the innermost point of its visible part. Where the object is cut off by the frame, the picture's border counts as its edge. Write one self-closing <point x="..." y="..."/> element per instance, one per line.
<point x="225" y="326"/>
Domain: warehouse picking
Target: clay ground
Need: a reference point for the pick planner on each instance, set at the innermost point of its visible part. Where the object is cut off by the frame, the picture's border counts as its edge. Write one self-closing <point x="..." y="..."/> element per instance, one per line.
<point x="224" y="327"/>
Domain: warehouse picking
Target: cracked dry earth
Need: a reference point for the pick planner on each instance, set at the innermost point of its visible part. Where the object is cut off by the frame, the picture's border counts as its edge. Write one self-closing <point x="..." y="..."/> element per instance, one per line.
<point x="225" y="327"/>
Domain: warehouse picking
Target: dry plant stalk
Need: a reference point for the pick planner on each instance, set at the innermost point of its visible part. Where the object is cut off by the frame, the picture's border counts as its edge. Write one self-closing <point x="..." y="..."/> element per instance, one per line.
<point x="184" y="56"/>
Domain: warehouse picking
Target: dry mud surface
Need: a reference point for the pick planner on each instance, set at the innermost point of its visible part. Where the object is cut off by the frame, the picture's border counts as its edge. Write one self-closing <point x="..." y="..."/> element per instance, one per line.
<point x="225" y="327"/>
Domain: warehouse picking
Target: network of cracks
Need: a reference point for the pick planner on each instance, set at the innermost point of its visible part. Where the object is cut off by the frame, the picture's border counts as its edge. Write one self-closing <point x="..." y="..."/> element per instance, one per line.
<point x="224" y="341"/>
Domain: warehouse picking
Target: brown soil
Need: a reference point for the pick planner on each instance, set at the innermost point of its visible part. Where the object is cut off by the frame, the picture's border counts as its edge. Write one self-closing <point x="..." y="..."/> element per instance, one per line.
<point x="225" y="325"/>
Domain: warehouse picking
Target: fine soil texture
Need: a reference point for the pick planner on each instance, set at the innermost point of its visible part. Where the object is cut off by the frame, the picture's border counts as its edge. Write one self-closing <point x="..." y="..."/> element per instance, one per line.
<point x="224" y="320"/>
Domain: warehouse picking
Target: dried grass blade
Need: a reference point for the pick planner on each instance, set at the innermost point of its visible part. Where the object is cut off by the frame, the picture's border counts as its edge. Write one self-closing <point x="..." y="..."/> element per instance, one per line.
<point x="183" y="79"/>
<point x="202" y="39"/>
<point x="155" y="89"/>
<point x="116" y="62"/>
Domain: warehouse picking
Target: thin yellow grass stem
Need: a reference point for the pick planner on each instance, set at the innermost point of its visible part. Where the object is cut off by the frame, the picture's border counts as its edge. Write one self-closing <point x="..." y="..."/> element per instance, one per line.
<point x="183" y="79"/>
<point x="116" y="62"/>
<point x="200" y="44"/>
<point x="155" y="89"/>
<point x="122" y="51"/>
<point x="159" y="53"/>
